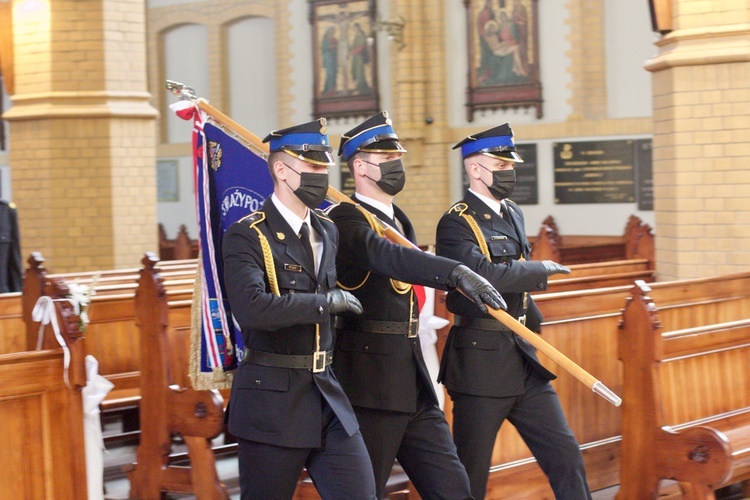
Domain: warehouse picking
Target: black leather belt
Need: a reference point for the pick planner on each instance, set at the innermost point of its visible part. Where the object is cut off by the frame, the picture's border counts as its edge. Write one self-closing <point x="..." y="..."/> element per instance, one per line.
<point x="483" y="323"/>
<point x="408" y="328"/>
<point x="316" y="361"/>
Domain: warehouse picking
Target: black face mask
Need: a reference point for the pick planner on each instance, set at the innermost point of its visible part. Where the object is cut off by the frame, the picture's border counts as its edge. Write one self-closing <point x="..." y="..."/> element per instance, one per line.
<point x="312" y="188"/>
<point x="392" y="176"/>
<point x="503" y="183"/>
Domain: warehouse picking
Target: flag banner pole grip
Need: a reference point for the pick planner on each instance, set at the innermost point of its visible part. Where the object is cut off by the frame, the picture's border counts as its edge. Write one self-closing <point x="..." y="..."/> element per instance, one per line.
<point x="336" y="196"/>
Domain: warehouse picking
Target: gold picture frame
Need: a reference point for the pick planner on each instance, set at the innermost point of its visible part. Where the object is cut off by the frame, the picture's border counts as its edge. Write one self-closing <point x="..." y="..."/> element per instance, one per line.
<point x="345" y="59"/>
<point x="503" y="41"/>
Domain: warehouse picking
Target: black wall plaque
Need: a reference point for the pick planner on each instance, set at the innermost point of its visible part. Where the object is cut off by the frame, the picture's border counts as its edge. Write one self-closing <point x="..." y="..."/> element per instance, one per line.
<point x="594" y="172"/>
<point x="644" y="182"/>
<point x="527" y="179"/>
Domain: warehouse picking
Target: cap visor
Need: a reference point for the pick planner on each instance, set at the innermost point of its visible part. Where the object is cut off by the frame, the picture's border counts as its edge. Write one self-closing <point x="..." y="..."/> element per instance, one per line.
<point x="506" y="155"/>
<point x="315" y="157"/>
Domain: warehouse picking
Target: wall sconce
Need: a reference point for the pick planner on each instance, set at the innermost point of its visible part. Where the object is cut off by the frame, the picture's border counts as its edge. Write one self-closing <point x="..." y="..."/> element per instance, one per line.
<point x="394" y="28"/>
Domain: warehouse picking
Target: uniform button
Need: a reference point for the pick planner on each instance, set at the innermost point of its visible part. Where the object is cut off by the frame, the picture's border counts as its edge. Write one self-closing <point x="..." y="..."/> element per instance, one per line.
<point x="473" y="343"/>
<point x="318" y="287"/>
<point x="436" y="278"/>
<point x="293" y="282"/>
<point x="320" y="310"/>
<point x="257" y="382"/>
<point x="367" y="348"/>
<point x="505" y="251"/>
<point x="541" y="286"/>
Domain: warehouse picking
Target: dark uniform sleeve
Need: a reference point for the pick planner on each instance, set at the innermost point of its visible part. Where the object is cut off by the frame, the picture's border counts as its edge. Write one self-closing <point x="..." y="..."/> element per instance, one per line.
<point x="253" y="304"/>
<point x="11" y="267"/>
<point x="360" y="246"/>
<point x="455" y="240"/>
<point x="15" y="266"/>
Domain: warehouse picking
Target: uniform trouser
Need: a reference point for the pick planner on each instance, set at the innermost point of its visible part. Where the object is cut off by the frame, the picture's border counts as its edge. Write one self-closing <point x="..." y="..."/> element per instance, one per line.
<point x="340" y="468"/>
<point x="540" y="421"/>
<point x="422" y="444"/>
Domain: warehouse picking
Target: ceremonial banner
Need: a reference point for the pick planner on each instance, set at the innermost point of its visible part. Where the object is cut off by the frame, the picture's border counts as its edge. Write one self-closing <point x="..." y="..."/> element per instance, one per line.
<point x="231" y="181"/>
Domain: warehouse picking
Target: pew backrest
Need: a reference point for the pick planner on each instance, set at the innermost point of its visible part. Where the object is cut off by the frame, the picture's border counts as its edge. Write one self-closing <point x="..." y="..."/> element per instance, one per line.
<point x="685" y="349"/>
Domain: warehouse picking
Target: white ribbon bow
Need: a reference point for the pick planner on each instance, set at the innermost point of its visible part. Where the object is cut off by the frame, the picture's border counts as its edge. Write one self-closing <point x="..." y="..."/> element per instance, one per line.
<point x="44" y="313"/>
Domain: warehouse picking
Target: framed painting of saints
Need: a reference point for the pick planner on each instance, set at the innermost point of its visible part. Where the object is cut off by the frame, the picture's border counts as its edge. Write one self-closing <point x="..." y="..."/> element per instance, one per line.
<point x="345" y="64"/>
<point x="503" y="42"/>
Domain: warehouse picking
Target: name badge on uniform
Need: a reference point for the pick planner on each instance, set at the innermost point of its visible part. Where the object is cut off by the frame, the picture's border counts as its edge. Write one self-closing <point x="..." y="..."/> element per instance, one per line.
<point x="493" y="238"/>
<point x="293" y="267"/>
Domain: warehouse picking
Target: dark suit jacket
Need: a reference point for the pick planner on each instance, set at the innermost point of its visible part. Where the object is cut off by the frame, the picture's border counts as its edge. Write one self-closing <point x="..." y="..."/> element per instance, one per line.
<point x="482" y="362"/>
<point x="381" y="371"/>
<point x="282" y="406"/>
<point x="11" y="268"/>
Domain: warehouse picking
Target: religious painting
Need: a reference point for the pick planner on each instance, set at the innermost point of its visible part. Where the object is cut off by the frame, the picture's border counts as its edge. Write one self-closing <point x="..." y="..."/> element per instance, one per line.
<point x="344" y="58"/>
<point x="503" y="41"/>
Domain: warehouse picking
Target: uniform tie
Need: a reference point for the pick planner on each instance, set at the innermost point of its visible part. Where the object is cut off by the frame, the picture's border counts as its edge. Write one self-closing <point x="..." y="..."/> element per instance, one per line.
<point x="304" y="236"/>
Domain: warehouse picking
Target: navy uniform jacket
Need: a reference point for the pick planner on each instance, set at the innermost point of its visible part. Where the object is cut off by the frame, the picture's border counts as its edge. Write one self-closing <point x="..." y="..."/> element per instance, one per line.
<point x="483" y="362"/>
<point x="282" y="406"/>
<point x="377" y="370"/>
<point x="11" y="268"/>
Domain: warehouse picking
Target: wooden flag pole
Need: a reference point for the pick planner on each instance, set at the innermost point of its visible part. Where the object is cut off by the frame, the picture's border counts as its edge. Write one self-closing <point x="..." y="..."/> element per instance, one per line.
<point x="336" y="196"/>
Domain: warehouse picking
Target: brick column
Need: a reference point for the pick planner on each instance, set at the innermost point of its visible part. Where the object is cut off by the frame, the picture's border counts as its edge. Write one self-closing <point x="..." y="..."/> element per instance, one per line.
<point x="420" y="113"/>
<point x="587" y="60"/>
<point x="701" y="92"/>
<point x="82" y="133"/>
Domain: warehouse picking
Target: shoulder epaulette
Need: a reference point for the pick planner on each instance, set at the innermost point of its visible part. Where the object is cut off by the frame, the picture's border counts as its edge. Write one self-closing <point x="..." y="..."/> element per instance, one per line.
<point x="253" y="218"/>
<point x="462" y="210"/>
<point x="251" y="221"/>
<point x="458" y="208"/>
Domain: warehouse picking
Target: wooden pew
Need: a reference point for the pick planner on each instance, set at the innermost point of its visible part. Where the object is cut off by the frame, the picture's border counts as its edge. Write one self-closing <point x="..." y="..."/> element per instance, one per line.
<point x="168" y="404"/>
<point x="601" y="275"/>
<point x="182" y="247"/>
<point x="637" y="242"/>
<point x="583" y="325"/>
<point x="12" y="329"/>
<point x="13" y="336"/>
<point x="41" y="419"/>
<point x="112" y="335"/>
<point x="165" y="327"/>
<point x="686" y="401"/>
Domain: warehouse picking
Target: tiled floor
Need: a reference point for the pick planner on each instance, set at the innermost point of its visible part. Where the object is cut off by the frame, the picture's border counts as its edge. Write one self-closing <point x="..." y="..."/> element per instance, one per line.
<point x="117" y="487"/>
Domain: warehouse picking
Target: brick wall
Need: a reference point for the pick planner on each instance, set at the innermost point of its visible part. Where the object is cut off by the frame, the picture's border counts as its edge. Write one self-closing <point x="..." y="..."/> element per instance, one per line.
<point x="83" y="155"/>
<point x="701" y="89"/>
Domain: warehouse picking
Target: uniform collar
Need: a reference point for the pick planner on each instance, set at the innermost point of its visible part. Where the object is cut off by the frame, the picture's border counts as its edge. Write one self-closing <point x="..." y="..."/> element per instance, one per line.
<point x="490" y="202"/>
<point x="290" y="217"/>
<point x="386" y="209"/>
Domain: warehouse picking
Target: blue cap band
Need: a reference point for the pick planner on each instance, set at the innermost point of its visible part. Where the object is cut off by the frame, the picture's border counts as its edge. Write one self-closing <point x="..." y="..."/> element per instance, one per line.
<point x="355" y="142"/>
<point x="278" y="143"/>
<point x="487" y="143"/>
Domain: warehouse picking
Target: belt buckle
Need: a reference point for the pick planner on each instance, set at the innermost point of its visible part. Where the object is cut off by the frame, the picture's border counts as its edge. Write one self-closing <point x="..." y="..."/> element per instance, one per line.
<point x="413" y="329"/>
<point x="319" y="361"/>
<point x="522" y="320"/>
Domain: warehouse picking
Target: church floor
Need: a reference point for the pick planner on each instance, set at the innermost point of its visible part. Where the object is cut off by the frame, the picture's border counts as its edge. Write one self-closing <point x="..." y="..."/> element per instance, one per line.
<point x="117" y="486"/>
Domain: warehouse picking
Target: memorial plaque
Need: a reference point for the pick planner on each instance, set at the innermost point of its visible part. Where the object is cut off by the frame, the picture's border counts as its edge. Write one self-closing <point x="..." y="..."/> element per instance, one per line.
<point x="644" y="182"/>
<point x="594" y="172"/>
<point x="167" y="181"/>
<point x="527" y="180"/>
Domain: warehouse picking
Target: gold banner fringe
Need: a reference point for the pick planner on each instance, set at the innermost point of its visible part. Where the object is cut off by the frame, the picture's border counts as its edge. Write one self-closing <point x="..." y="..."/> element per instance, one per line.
<point x="218" y="379"/>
